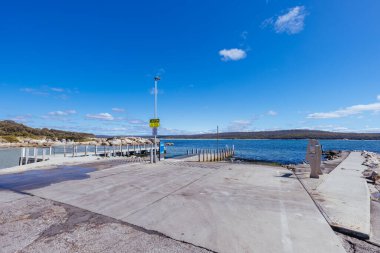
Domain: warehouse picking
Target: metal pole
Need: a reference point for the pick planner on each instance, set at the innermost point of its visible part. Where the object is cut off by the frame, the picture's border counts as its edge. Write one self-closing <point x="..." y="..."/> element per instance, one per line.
<point x="156" y="79"/>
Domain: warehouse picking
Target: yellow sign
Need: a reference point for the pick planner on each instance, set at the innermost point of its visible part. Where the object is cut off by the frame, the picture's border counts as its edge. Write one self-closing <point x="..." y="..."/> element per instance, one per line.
<point x="154" y="123"/>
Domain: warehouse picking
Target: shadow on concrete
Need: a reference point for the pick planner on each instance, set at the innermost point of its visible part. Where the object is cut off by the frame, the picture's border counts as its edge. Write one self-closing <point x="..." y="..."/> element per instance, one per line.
<point x="40" y="178"/>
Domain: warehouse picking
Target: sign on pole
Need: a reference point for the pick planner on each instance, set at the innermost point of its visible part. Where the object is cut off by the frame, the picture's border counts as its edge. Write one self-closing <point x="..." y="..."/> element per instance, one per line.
<point x="154" y="123"/>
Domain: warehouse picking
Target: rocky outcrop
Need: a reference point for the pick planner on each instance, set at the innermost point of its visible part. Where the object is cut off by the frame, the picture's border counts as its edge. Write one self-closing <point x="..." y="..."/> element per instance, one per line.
<point x="372" y="161"/>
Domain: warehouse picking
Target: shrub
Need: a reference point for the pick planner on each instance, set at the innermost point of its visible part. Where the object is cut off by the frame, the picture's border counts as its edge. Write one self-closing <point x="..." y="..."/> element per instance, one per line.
<point x="10" y="138"/>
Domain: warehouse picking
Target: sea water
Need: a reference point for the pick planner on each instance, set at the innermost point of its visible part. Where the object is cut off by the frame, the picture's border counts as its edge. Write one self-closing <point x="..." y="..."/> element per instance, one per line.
<point x="280" y="151"/>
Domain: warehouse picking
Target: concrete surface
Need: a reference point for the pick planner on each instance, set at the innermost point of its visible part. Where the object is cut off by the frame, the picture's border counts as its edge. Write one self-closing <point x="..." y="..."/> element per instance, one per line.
<point x="375" y="222"/>
<point x="60" y="160"/>
<point x="344" y="197"/>
<point x="30" y="224"/>
<point x="218" y="206"/>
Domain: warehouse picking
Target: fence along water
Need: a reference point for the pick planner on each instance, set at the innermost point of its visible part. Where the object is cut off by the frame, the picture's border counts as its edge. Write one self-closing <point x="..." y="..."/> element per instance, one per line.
<point x="35" y="154"/>
<point x="212" y="155"/>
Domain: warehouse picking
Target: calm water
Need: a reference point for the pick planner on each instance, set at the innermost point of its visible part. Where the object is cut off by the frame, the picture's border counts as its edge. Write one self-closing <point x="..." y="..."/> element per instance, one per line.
<point x="282" y="151"/>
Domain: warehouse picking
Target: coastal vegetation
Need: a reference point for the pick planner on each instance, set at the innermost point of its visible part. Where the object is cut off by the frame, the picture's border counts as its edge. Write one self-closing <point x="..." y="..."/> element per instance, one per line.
<point x="281" y="134"/>
<point x="13" y="134"/>
<point x="11" y="131"/>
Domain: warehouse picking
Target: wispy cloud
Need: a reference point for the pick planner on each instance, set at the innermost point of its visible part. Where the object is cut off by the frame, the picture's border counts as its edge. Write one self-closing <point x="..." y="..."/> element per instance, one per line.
<point x="100" y="116"/>
<point x="378" y="97"/>
<point x="244" y="35"/>
<point x="137" y="122"/>
<point x="34" y="91"/>
<point x="233" y="54"/>
<point x="348" y="111"/>
<point x="62" y="113"/>
<point x="272" y="113"/>
<point x="292" y="22"/>
<point x="239" y="125"/>
<point x="22" y="118"/>
<point x="54" y="92"/>
<point x="115" y="109"/>
<point x="57" y="89"/>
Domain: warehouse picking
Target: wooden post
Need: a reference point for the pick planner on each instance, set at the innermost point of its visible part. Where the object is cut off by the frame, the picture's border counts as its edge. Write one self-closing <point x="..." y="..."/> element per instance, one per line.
<point x="22" y="156"/>
<point x="43" y="154"/>
<point x="35" y="154"/>
<point x="113" y="149"/>
<point x="85" y="150"/>
<point x="50" y="151"/>
<point x="121" y="150"/>
<point x="26" y="155"/>
<point x="64" y="150"/>
<point x="151" y="155"/>
<point x="73" y="150"/>
<point x="127" y="150"/>
<point x="199" y="157"/>
<point x="96" y="150"/>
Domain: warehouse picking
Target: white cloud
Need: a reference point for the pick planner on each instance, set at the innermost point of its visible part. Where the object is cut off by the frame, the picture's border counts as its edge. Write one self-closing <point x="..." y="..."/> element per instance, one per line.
<point x="34" y="91"/>
<point x="378" y="97"/>
<point x="272" y="113"/>
<point x="137" y="122"/>
<point x="62" y="113"/>
<point x="239" y="125"/>
<point x="100" y="116"/>
<point x="233" y="54"/>
<point x="22" y="118"/>
<point x="291" y="22"/>
<point x="348" y="111"/>
<point x="118" y="109"/>
<point x="57" y="89"/>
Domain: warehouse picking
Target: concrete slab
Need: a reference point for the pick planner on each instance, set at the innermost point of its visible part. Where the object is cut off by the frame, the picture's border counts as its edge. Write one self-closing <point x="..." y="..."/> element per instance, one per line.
<point x="35" y="225"/>
<point x="219" y="206"/>
<point x="242" y="209"/>
<point x="120" y="192"/>
<point x="375" y="222"/>
<point x="345" y="199"/>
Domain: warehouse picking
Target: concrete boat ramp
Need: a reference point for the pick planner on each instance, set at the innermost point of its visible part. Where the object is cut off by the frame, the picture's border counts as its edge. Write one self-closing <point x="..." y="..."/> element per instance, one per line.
<point x="222" y="207"/>
<point x="345" y="199"/>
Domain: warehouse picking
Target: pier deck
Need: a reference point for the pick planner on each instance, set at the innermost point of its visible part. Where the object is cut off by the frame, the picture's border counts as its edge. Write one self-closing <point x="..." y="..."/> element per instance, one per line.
<point x="222" y="207"/>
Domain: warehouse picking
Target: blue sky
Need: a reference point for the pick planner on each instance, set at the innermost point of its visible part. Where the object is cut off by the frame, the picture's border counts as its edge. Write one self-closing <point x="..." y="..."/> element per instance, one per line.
<point x="242" y="65"/>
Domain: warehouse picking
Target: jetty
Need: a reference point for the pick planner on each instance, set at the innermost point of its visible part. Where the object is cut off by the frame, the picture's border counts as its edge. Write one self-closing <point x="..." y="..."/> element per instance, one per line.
<point x="40" y="154"/>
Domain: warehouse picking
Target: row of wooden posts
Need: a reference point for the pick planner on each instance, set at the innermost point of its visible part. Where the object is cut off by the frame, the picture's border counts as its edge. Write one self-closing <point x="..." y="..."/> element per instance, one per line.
<point x="209" y="155"/>
<point x="72" y="151"/>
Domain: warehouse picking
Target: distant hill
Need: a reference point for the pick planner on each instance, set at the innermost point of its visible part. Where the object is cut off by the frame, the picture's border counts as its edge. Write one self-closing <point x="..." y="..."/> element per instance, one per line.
<point x="281" y="134"/>
<point x="10" y="129"/>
